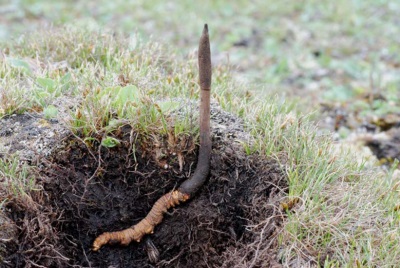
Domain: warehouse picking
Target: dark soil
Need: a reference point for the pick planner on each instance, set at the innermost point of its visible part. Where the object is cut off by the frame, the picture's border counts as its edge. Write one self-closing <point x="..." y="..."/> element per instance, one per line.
<point x="381" y="134"/>
<point x="87" y="190"/>
<point x="386" y="149"/>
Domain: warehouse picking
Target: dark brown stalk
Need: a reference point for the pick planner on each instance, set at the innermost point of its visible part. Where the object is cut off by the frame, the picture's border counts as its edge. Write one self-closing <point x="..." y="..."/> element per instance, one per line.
<point x="189" y="187"/>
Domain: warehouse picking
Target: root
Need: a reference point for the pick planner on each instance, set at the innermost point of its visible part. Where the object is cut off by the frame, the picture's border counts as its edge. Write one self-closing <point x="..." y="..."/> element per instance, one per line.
<point x="145" y="226"/>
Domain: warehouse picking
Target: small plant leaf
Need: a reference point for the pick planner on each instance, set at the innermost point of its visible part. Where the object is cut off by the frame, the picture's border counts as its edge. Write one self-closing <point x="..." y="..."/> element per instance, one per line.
<point x="168" y="106"/>
<point x="89" y="140"/>
<point x="65" y="81"/>
<point x="41" y="97"/>
<point x="128" y="93"/>
<point x="50" y="112"/>
<point x="109" y="142"/>
<point x="17" y="63"/>
<point x="47" y="83"/>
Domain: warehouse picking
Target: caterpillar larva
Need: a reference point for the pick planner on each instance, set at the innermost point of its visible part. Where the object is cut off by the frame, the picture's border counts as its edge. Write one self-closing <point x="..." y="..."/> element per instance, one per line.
<point x="145" y="226"/>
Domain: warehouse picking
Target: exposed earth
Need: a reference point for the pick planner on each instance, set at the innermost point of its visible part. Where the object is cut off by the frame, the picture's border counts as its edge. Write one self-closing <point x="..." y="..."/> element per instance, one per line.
<point x="84" y="189"/>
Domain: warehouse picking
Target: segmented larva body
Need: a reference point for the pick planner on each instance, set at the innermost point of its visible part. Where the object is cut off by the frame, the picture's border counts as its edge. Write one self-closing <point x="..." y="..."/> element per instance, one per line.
<point x="145" y="226"/>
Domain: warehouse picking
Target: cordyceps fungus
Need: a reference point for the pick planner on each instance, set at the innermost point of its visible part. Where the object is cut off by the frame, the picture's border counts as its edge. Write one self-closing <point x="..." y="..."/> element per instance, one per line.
<point x="190" y="186"/>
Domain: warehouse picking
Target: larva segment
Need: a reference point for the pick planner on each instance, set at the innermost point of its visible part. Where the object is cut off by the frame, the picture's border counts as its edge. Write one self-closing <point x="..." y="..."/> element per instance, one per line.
<point x="145" y="226"/>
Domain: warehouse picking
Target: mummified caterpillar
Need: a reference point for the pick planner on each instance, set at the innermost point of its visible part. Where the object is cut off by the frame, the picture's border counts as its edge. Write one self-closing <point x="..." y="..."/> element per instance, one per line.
<point x="145" y="226"/>
<point x="190" y="186"/>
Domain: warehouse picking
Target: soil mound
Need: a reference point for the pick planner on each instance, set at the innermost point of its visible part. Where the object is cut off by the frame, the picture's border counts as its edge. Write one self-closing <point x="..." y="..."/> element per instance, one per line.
<point x="89" y="189"/>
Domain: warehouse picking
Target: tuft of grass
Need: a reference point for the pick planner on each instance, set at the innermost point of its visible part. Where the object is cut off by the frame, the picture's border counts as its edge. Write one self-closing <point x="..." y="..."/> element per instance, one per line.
<point x="110" y="82"/>
<point x="347" y="211"/>
<point x="17" y="179"/>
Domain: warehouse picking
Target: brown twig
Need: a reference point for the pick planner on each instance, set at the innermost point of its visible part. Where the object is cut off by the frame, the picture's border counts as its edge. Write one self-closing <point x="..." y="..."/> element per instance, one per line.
<point x="190" y="186"/>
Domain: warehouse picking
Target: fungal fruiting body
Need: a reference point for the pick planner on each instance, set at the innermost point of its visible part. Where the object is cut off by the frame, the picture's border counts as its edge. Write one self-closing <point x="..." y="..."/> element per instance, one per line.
<point x="190" y="186"/>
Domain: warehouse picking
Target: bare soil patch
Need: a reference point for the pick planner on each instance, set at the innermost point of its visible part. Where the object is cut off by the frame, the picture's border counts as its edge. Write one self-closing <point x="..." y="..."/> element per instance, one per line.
<point x="232" y="222"/>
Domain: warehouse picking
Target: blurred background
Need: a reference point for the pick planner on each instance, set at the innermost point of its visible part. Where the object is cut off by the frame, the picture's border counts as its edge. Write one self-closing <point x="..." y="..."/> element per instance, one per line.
<point x="342" y="54"/>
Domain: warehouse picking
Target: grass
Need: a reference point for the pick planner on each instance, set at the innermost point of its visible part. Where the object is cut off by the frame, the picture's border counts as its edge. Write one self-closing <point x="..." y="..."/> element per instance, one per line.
<point x="346" y="215"/>
<point x="18" y="179"/>
<point x="346" y="211"/>
<point x="321" y="49"/>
